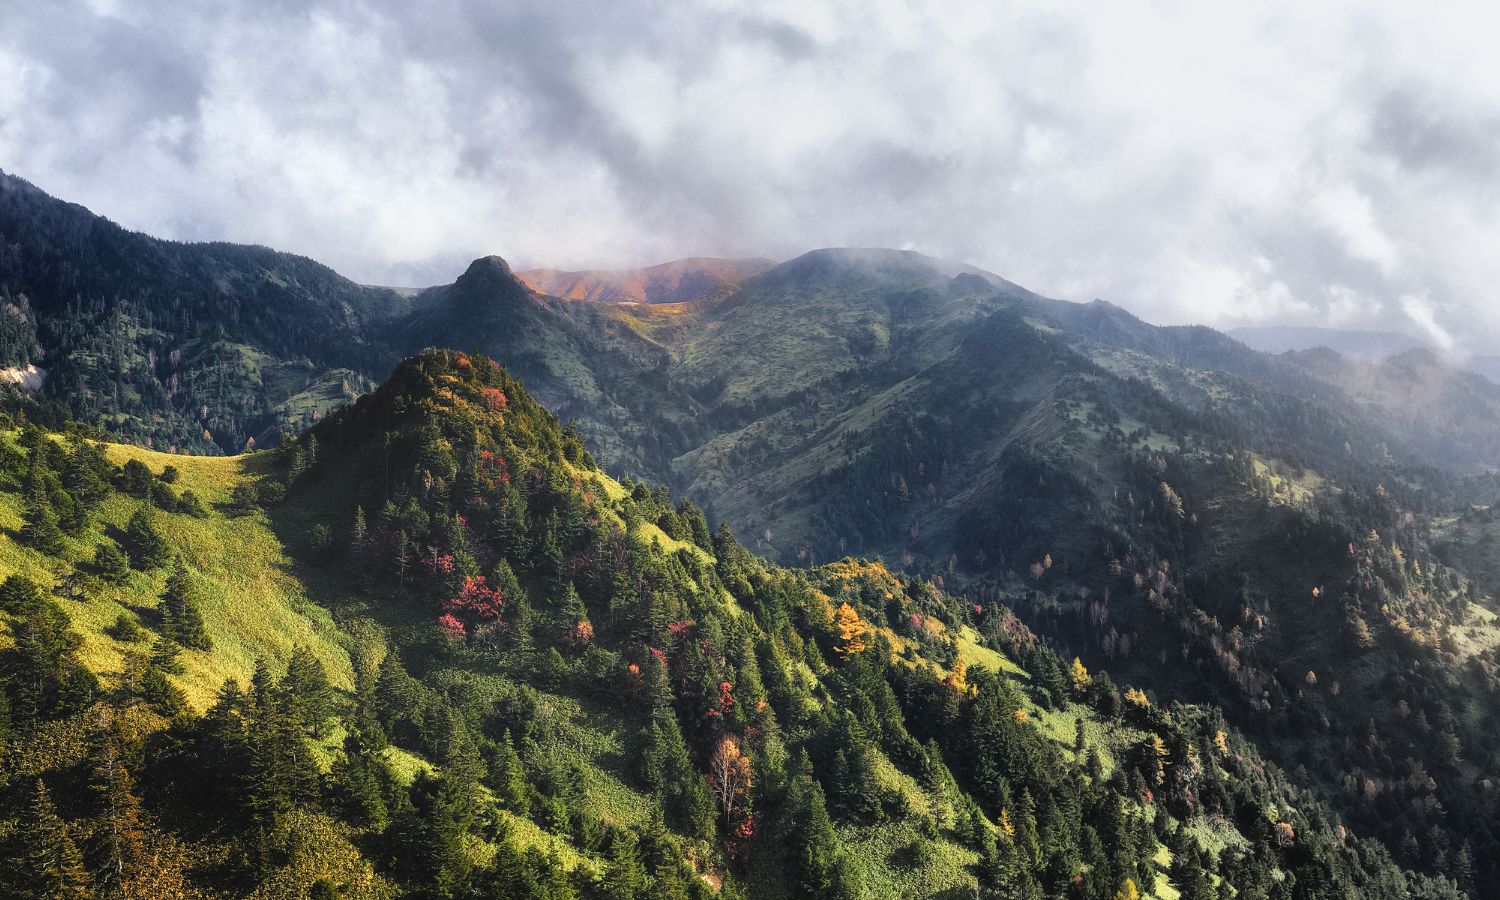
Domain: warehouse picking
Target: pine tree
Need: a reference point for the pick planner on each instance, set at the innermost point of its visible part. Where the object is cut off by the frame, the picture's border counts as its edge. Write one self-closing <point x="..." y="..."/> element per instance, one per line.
<point x="20" y="596"/>
<point x="53" y="866"/>
<point x="1463" y="868"/>
<point x="81" y="474"/>
<point x="39" y="527"/>
<point x="360" y="778"/>
<point x="625" y="877"/>
<point x="147" y="548"/>
<point x="818" y="853"/>
<point x="165" y="655"/>
<point x="359" y="543"/>
<point x="110" y="563"/>
<point x="180" y="619"/>
<point x="507" y="777"/>
<point x="307" y="684"/>
<point x="47" y="678"/>
<point x="162" y="695"/>
<point x="281" y="770"/>
<point x="72" y="518"/>
<point x="433" y="827"/>
<point x="122" y="833"/>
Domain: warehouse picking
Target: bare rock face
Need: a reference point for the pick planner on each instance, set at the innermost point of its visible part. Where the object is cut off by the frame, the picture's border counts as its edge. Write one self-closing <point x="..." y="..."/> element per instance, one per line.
<point x="29" y="378"/>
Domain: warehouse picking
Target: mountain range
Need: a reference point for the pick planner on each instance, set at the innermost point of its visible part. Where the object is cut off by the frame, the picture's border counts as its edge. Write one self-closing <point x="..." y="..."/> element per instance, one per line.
<point x="1300" y="543"/>
<point x="1365" y="346"/>
<point x="680" y="281"/>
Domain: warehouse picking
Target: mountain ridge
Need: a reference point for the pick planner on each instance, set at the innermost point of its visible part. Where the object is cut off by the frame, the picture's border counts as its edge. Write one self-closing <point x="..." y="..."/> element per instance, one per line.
<point x="678" y="281"/>
<point x="1297" y="540"/>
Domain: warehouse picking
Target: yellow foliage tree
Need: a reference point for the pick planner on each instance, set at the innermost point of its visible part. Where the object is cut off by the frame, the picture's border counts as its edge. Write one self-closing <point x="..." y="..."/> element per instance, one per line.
<point x="1221" y="743"/>
<point x="958" y="679"/>
<point x="1081" y="677"/>
<point x="1137" y="698"/>
<point x="1159" y="754"/>
<point x="1128" y="891"/>
<point x="851" y="631"/>
<point x="1005" y="824"/>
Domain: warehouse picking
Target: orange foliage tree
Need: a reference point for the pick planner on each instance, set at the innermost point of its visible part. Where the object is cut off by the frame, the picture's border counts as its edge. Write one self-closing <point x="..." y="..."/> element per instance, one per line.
<point x="729" y="774"/>
<point x="851" y="631"/>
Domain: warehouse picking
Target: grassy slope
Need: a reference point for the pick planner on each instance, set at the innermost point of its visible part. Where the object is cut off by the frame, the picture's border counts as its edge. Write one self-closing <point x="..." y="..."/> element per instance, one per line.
<point x="252" y="604"/>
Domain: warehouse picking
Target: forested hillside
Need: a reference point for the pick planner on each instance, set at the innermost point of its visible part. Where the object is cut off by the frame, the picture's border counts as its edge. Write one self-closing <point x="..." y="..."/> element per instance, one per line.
<point x="194" y="346"/>
<point x="1303" y="544"/>
<point x="1268" y="524"/>
<point x="498" y="672"/>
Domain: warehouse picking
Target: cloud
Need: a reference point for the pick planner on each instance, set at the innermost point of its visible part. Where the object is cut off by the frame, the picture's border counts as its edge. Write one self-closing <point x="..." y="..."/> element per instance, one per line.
<point x="1422" y="314"/>
<point x="1314" y="163"/>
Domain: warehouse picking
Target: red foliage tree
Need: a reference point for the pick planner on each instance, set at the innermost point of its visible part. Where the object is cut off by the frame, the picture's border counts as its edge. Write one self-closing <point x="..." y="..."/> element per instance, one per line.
<point x="580" y="634"/>
<point x="494" y="398"/>
<point x="475" y="605"/>
<point x="452" y="627"/>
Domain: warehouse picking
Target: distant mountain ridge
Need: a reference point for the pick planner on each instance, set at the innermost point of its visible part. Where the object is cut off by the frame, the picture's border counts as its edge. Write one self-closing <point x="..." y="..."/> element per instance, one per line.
<point x="1370" y="346"/>
<point x="1366" y="346"/>
<point x="679" y="281"/>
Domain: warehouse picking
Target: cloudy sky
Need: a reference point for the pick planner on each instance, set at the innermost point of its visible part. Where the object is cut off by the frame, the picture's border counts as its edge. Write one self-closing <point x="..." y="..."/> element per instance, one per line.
<point x="1315" y="163"/>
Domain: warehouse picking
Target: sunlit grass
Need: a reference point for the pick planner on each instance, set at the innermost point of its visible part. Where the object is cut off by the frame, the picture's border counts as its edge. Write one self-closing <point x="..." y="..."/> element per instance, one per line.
<point x="252" y="604"/>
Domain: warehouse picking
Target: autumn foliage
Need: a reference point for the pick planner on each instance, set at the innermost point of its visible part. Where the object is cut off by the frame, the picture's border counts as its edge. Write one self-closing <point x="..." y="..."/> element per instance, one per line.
<point x="729" y="776"/>
<point x="850" y="630"/>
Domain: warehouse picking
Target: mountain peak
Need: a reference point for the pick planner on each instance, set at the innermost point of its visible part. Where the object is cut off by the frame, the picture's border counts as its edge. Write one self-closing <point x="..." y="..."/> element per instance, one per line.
<point x="491" y="266"/>
<point x="489" y="277"/>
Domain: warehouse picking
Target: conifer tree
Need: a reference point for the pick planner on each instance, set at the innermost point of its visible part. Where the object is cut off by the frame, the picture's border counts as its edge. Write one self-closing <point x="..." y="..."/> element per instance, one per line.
<point x="165" y="655"/>
<point x="19" y="595"/>
<point x="39" y="528"/>
<point x="507" y="777"/>
<point x="180" y="619"/>
<point x="81" y="474"/>
<point x="307" y="685"/>
<point x="122" y="833"/>
<point x="360" y="779"/>
<point x="52" y="866"/>
<point x="110" y="563"/>
<point x="47" y="677"/>
<point x="818" y="855"/>
<point x="147" y="548"/>
<point x="72" y="518"/>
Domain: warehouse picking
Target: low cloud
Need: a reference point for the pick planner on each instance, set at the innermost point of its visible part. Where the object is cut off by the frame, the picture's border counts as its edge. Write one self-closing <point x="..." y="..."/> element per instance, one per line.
<point x="1316" y="164"/>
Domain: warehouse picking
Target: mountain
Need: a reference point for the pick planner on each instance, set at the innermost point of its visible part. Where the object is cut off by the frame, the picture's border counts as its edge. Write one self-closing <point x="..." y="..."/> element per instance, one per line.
<point x="522" y="678"/>
<point x="1301" y="541"/>
<point x="171" y="345"/>
<point x="1190" y="493"/>
<point x="679" y="281"/>
<point x="1359" y="346"/>
<point x="1367" y="346"/>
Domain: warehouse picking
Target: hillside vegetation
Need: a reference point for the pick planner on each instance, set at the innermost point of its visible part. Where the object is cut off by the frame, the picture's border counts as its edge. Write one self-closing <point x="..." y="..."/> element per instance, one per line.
<point x="460" y="661"/>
